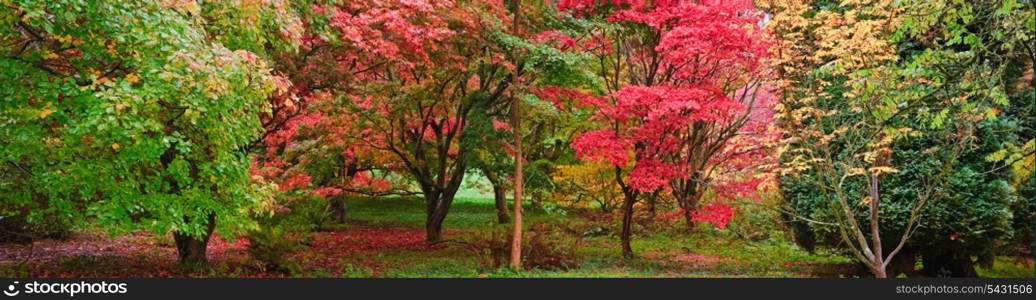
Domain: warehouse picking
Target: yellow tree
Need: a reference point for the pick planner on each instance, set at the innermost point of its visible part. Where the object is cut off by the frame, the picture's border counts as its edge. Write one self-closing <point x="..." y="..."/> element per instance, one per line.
<point x="861" y="76"/>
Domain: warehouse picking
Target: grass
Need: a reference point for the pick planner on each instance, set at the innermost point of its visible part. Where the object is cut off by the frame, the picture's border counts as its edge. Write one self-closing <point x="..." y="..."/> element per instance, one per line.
<point x="1008" y="267"/>
<point x="384" y="238"/>
<point x="704" y="253"/>
<point x="465" y="213"/>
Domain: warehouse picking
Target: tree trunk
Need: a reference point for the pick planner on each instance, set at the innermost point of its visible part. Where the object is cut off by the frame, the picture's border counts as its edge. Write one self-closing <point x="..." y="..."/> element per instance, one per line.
<point x="339" y="207"/>
<point x="439" y="206"/>
<point x="651" y="200"/>
<point x="627" y="224"/>
<point x="688" y="196"/>
<point x="516" y="239"/>
<point x="191" y="249"/>
<point x="433" y="228"/>
<point x="879" y="263"/>
<point x="879" y="272"/>
<point x="689" y="203"/>
<point x="499" y="197"/>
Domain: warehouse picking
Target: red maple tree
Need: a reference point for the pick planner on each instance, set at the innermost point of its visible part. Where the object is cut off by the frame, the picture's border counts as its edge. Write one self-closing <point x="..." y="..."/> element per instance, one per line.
<point x="315" y="141"/>
<point x="684" y="101"/>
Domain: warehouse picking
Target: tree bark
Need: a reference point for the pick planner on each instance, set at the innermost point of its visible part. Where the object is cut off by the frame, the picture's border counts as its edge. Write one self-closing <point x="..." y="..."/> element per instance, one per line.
<point x="688" y="196"/>
<point x="879" y="264"/>
<point x="191" y="250"/>
<point x="689" y="203"/>
<point x="627" y="224"/>
<point x="439" y="207"/>
<point x="499" y="197"/>
<point x="516" y="238"/>
<point x="339" y="207"/>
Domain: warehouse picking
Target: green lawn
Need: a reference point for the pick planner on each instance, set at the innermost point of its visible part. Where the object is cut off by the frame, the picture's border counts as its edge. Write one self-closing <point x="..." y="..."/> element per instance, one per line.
<point x="384" y="237"/>
<point x="667" y="253"/>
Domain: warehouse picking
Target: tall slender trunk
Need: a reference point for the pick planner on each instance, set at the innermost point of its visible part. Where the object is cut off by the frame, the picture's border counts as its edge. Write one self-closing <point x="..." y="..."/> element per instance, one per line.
<point x="191" y="250"/>
<point x="516" y="238"/>
<point x="627" y="223"/>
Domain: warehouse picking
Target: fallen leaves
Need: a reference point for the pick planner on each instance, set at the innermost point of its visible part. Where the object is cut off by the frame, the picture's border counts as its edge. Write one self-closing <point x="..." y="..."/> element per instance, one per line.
<point x="142" y="255"/>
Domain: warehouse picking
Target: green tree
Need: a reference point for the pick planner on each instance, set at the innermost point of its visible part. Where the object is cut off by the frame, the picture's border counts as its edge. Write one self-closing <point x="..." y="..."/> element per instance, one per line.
<point x="888" y="110"/>
<point x="135" y="114"/>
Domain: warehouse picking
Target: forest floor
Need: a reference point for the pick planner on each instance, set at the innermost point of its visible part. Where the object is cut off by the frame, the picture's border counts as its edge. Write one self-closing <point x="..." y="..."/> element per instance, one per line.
<point x="385" y="238"/>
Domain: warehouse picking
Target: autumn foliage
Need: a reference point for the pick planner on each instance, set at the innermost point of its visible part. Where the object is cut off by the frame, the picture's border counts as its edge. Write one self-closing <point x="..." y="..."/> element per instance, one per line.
<point x="255" y="125"/>
<point x="684" y="83"/>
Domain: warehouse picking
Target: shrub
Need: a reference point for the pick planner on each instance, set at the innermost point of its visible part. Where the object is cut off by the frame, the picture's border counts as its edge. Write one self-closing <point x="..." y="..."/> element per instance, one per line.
<point x="963" y="219"/>
<point x="286" y="232"/>
<point x="270" y="248"/>
<point x="586" y="185"/>
<point x="16" y="228"/>
<point x="544" y="247"/>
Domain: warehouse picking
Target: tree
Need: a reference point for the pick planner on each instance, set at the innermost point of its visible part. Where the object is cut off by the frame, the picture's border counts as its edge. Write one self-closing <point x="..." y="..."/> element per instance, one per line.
<point x="423" y="108"/>
<point x="586" y="185"/>
<point x="311" y="131"/>
<point x="882" y="92"/>
<point x="682" y="81"/>
<point x="491" y="155"/>
<point x="537" y="61"/>
<point x="134" y="114"/>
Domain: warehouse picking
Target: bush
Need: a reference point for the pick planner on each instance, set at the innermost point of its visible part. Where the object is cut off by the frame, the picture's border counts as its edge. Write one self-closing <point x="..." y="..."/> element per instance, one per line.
<point x="270" y="248"/>
<point x="757" y="221"/>
<point x="543" y="247"/>
<point x="964" y="218"/>
<point x="27" y="215"/>
<point x="286" y="232"/>
<point x="586" y="185"/>
<point x="16" y="228"/>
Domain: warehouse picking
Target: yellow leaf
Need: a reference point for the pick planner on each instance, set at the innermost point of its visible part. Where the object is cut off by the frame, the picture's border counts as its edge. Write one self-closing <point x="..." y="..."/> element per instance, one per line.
<point x="45" y="112"/>
<point x="116" y="146"/>
<point x="882" y="170"/>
